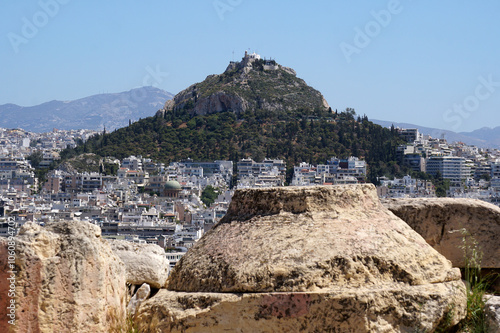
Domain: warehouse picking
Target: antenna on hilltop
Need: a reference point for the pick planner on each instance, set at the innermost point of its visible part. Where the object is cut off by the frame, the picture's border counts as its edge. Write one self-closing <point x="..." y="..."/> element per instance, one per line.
<point x="233" y="55"/>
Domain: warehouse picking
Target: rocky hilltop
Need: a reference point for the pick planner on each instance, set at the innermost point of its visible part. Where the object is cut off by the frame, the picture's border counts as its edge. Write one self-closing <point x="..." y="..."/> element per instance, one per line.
<point x="252" y="83"/>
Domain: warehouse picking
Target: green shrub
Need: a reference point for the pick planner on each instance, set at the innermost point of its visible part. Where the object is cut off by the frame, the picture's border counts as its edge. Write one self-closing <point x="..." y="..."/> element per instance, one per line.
<point x="476" y="285"/>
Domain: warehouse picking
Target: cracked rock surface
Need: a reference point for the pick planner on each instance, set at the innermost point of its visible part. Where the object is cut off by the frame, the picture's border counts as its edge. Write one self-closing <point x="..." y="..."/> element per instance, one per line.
<point x="310" y="259"/>
<point x="67" y="280"/>
<point x="440" y="222"/>
<point x="308" y="239"/>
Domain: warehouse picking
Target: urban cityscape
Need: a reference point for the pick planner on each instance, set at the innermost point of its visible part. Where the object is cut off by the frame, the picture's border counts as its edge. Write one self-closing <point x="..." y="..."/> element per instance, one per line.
<point x="250" y="166"/>
<point x="150" y="202"/>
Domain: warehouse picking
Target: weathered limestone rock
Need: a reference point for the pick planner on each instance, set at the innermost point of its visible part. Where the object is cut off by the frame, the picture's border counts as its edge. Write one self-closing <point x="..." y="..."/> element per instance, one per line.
<point x="326" y="258"/>
<point x="306" y="239"/>
<point x="384" y="309"/>
<point x="219" y="102"/>
<point x="439" y="221"/>
<point x="140" y="296"/>
<point x="67" y="280"/>
<point x="144" y="263"/>
<point x="492" y="311"/>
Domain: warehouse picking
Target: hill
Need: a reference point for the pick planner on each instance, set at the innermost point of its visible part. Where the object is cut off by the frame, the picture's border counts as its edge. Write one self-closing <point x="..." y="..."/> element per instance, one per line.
<point x="253" y="83"/>
<point x="93" y="112"/>
<point x="491" y="136"/>
<point x="251" y="111"/>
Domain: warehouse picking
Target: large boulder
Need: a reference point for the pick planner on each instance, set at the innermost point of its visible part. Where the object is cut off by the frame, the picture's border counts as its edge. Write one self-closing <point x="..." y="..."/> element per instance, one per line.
<point x="316" y="258"/>
<point x="144" y="263"/>
<point x="444" y="222"/>
<point x="67" y="279"/>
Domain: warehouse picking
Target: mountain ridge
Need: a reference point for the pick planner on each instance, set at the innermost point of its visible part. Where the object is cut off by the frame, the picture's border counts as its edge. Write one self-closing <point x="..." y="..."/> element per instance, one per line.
<point x="488" y="134"/>
<point x="485" y="137"/>
<point x="110" y="110"/>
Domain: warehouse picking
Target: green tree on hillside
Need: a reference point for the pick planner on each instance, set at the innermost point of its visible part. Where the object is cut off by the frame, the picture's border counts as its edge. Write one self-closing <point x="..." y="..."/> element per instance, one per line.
<point x="442" y="185"/>
<point x="209" y="195"/>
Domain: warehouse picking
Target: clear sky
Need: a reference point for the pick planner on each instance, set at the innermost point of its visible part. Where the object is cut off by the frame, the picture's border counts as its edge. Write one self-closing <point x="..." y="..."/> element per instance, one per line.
<point x="431" y="63"/>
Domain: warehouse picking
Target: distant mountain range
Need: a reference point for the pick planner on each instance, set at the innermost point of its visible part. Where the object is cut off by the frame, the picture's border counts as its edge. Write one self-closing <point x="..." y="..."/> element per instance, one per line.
<point x="485" y="137"/>
<point x="94" y="112"/>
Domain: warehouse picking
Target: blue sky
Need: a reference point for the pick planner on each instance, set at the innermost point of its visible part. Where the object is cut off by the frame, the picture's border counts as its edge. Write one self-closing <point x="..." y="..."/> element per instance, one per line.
<point x="434" y="64"/>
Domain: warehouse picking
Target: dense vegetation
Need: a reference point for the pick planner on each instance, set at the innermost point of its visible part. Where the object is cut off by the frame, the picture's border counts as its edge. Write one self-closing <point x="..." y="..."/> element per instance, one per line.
<point x="304" y="136"/>
<point x="209" y="195"/>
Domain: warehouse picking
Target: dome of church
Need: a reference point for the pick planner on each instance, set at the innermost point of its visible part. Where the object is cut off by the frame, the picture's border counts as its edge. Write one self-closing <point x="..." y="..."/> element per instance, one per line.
<point x="172" y="185"/>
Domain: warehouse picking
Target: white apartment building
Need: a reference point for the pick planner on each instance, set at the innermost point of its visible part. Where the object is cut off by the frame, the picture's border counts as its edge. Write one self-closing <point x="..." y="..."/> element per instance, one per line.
<point x="132" y="163"/>
<point x="304" y="174"/>
<point x="450" y="167"/>
<point x="247" y="166"/>
<point x="410" y="134"/>
<point x="337" y="171"/>
<point x="495" y="175"/>
<point x="261" y="174"/>
<point x="495" y="169"/>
